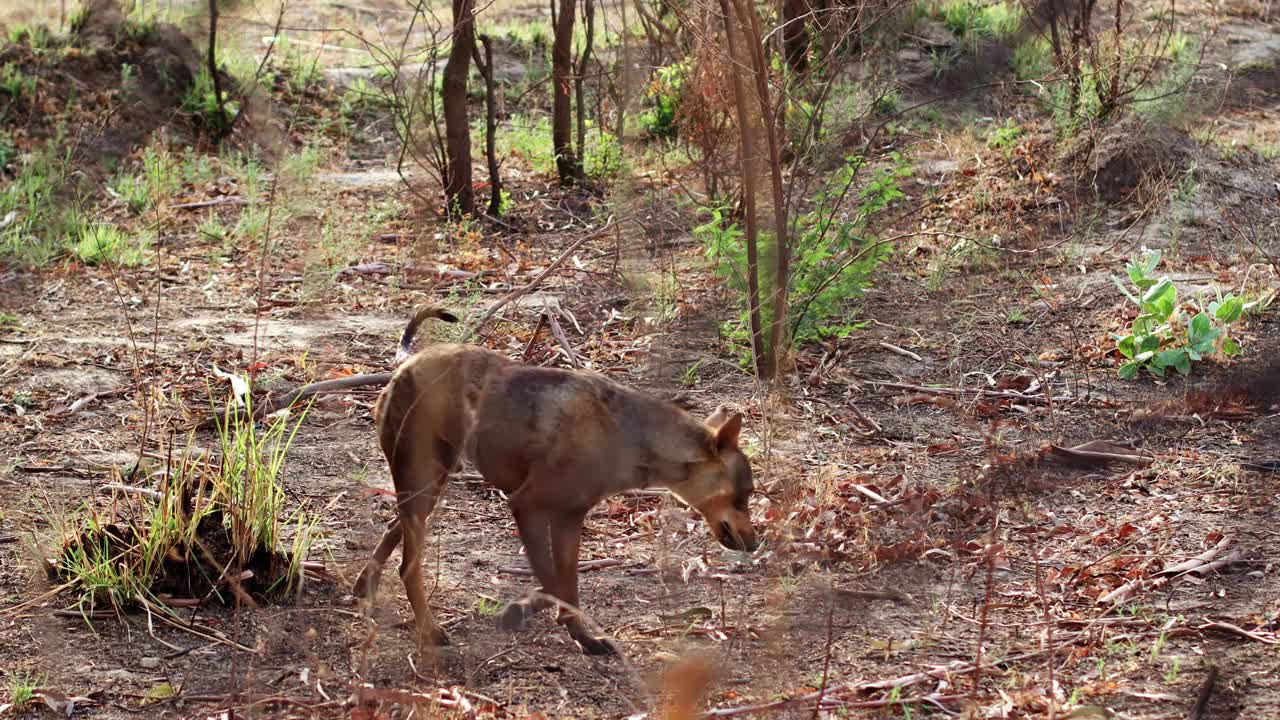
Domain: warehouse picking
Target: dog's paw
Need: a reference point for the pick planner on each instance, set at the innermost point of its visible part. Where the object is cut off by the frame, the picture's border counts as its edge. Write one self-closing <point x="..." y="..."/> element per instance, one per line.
<point x="434" y="637"/>
<point x="514" y="616"/>
<point x="598" y="646"/>
<point x="365" y="587"/>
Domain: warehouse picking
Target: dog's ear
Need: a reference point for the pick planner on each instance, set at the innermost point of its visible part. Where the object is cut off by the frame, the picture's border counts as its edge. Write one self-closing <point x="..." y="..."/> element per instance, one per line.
<point x="727" y="434"/>
<point x="717" y="418"/>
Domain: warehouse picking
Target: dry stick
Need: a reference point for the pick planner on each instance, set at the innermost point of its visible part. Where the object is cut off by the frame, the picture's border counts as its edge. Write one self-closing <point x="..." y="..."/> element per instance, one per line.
<point x="537" y="330"/>
<point x="962" y="391"/>
<point x="826" y="653"/>
<point x="901" y="351"/>
<point x="561" y="338"/>
<point x="584" y="566"/>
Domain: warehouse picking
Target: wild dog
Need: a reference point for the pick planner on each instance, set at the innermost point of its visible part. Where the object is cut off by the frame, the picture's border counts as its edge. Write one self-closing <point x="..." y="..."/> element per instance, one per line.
<point x="556" y="442"/>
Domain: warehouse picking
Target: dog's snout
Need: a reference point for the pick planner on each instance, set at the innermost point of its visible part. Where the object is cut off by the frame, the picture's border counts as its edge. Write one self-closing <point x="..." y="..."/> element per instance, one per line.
<point x="735" y="540"/>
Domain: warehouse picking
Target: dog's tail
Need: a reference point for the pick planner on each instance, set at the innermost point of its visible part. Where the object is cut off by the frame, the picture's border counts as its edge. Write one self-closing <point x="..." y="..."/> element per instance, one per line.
<point x="406" y="338"/>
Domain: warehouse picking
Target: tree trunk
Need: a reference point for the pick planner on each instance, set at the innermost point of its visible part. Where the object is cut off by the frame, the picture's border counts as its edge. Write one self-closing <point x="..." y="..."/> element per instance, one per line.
<point x="458" y="193"/>
<point x="568" y="167"/>
<point x="589" y="20"/>
<point x="490" y="125"/>
<point x="782" y="268"/>
<point x="748" y="159"/>
<point x="212" y="61"/>
<point x="795" y="34"/>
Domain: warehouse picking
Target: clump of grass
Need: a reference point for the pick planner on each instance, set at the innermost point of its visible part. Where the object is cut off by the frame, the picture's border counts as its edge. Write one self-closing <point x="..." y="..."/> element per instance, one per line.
<point x="15" y="83"/>
<point x="973" y="21"/>
<point x="207" y="520"/>
<point x="104" y="243"/>
<point x="21" y="690"/>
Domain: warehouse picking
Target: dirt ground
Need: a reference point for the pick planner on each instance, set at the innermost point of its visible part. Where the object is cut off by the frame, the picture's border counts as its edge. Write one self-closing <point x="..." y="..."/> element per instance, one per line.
<point x="915" y="521"/>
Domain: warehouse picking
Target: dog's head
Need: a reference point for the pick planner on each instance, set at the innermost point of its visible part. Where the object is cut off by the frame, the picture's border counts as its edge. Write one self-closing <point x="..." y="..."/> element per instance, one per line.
<point x="720" y="486"/>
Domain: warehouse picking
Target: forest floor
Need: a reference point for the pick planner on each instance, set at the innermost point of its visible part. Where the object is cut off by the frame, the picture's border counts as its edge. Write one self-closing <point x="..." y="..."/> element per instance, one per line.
<point x="926" y="553"/>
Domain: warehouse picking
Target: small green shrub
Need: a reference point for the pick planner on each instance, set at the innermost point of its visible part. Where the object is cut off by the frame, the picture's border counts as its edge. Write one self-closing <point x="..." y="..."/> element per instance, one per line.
<point x="1004" y="136"/>
<point x="663" y="92"/>
<point x="972" y="21"/>
<point x="133" y="191"/>
<point x="833" y="252"/>
<point x="603" y="156"/>
<point x="1169" y="334"/>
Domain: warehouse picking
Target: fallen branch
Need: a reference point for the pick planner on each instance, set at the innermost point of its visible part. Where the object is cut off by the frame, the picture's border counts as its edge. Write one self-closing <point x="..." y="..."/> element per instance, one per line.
<point x="1268" y="639"/>
<point x="1099" y="452"/>
<point x="270" y="404"/>
<point x="1200" y="565"/>
<point x="1198" y="561"/>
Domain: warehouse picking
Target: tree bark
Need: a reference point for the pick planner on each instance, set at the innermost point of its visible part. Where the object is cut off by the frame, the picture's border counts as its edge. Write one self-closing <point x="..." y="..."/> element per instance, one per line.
<point x="458" y="194"/>
<point x="568" y="166"/>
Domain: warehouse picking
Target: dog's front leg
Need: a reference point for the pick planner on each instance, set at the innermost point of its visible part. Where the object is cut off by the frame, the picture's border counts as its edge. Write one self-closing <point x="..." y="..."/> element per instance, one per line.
<point x="566" y="539"/>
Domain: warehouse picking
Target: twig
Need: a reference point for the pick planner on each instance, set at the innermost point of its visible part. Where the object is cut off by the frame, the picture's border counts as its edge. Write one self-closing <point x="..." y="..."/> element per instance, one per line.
<point x="892" y="595"/>
<point x="224" y="200"/>
<point x="537" y="330"/>
<point x="900" y="351"/>
<point x="1237" y="630"/>
<point x="130" y="489"/>
<point x="965" y="391"/>
<point x="862" y="417"/>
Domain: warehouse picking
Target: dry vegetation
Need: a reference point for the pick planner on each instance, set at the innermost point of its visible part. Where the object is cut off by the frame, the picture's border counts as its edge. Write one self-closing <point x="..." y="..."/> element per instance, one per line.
<point x="993" y="283"/>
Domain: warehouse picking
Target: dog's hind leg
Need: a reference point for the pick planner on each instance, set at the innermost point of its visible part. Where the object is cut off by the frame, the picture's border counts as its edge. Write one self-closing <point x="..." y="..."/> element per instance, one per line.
<point x="366" y="586"/>
<point x="534" y="525"/>
<point x="414" y="526"/>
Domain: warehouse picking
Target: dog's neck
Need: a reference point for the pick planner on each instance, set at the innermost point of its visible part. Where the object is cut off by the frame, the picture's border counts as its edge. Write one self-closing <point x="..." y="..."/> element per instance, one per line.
<point x="675" y="440"/>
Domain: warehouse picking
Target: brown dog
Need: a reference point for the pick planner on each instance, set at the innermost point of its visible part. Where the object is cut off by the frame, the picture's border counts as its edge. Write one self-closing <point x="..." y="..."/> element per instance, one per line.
<point x="557" y="442"/>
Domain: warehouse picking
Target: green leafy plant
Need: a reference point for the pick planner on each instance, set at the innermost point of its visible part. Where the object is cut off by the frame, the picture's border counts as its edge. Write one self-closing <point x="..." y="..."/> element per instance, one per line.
<point x="664" y="93"/>
<point x="1004" y="136"/>
<point x="1169" y="334"/>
